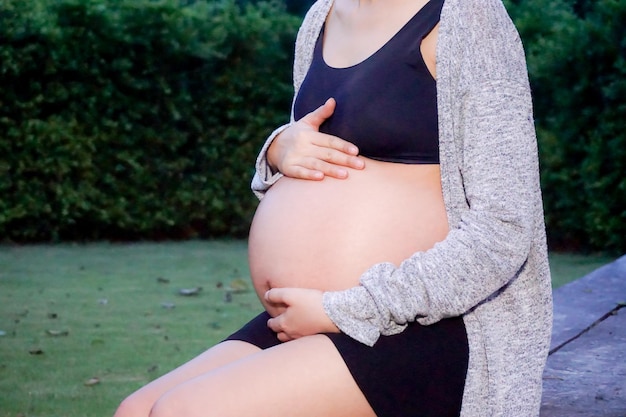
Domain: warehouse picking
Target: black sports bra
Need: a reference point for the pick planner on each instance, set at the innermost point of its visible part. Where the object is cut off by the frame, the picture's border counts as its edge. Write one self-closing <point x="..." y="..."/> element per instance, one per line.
<point x="386" y="104"/>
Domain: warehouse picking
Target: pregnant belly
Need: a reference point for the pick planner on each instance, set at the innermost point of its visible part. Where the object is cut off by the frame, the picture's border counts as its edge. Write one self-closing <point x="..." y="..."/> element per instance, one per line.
<point x="325" y="234"/>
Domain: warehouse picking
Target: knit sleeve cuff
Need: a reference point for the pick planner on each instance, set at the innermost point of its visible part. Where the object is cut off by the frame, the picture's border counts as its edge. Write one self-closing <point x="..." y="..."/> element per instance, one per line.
<point x="264" y="176"/>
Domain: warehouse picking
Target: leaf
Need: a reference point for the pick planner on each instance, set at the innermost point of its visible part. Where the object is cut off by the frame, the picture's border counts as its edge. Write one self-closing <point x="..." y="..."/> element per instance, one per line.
<point x="187" y="292"/>
<point x="57" y="333"/>
<point x="92" y="381"/>
<point x="238" y="285"/>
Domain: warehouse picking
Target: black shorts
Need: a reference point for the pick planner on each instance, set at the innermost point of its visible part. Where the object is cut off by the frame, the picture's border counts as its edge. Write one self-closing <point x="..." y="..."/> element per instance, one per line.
<point x="417" y="373"/>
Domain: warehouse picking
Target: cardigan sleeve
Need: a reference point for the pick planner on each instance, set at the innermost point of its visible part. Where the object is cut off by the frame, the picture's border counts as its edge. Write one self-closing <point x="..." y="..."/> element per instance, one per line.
<point x="264" y="177"/>
<point x="499" y="168"/>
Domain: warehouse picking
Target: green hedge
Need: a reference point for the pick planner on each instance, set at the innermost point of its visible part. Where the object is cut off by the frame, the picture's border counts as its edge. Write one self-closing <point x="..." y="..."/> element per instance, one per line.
<point x="136" y="119"/>
<point x="577" y="63"/>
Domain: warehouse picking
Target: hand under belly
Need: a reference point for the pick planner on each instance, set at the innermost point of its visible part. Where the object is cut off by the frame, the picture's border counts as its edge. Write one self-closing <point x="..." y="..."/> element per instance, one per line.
<point x="325" y="234"/>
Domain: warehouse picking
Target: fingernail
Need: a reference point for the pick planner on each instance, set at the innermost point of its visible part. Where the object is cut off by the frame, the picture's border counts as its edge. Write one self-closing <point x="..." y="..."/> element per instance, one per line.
<point x="266" y="296"/>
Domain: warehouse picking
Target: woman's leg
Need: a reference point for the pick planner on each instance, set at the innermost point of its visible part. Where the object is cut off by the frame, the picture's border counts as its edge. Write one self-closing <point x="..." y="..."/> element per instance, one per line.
<point x="141" y="402"/>
<point x="302" y="378"/>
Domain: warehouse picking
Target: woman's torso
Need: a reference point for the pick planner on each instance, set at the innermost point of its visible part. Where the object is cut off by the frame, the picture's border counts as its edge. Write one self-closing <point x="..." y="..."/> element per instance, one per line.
<point x="326" y="234"/>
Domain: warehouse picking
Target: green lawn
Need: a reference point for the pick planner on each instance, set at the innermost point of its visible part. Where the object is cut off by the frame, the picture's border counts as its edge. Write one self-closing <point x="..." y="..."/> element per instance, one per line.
<point x="71" y="313"/>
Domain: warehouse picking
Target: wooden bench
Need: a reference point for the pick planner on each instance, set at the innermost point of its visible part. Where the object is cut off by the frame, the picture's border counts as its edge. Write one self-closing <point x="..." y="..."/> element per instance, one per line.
<point x="586" y="370"/>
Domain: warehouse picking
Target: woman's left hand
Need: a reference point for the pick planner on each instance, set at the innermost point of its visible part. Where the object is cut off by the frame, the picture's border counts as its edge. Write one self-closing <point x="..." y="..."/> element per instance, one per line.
<point x="302" y="313"/>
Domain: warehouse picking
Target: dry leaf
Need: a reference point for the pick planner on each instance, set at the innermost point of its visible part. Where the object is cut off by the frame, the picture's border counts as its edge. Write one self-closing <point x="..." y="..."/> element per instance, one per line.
<point x="190" y="291"/>
<point x="92" y="381"/>
<point x="238" y="285"/>
<point x="57" y="333"/>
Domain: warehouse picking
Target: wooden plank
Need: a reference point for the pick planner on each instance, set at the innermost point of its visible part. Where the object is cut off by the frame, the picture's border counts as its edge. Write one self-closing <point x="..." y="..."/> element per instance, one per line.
<point x="580" y="303"/>
<point x="587" y="377"/>
<point x="586" y="373"/>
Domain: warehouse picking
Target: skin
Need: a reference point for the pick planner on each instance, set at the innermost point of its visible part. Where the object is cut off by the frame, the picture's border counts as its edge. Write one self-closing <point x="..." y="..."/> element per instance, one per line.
<point x="305" y="376"/>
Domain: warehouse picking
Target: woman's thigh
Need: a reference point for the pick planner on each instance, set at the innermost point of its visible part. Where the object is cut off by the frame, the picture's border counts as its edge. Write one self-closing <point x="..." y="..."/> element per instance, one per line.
<point x="301" y="378"/>
<point x="141" y="402"/>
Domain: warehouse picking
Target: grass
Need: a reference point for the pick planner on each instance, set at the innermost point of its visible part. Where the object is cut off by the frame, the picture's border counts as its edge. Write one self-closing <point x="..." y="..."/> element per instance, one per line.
<point x="107" y="303"/>
<point x="566" y="267"/>
<point x="72" y="313"/>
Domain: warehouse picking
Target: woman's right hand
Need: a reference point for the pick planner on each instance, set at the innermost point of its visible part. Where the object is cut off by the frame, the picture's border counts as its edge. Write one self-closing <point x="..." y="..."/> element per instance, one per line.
<point x="301" y="151"/>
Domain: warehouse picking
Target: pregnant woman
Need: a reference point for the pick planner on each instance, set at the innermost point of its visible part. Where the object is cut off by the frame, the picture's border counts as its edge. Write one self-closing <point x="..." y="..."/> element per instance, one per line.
<point x="399" y="246"/>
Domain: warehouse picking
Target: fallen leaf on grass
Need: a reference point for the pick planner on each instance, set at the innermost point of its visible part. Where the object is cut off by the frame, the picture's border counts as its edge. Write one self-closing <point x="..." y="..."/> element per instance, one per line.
<point x="189" y="291"/>
<point x="238" y="285"/>
<point x="35" y="351"/>
<point x="57" y="333"/>
<point x="168" y="306"/>
<point x="162" y="280"/>
<point x="92" y="381"/>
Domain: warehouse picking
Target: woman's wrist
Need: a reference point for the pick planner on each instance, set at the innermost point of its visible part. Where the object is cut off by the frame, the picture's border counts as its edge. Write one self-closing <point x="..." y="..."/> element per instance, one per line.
<point x="271" y="157"/>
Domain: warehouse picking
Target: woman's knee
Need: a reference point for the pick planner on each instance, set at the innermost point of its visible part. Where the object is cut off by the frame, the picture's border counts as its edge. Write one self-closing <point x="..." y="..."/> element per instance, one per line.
<point x="134" y="406"/>
<point x="173" y="405"/>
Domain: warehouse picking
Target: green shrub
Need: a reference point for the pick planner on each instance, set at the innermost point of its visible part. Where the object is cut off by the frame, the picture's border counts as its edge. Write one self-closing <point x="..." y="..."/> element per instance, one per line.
<point x="136" y="119"/>
<point x="577" y="64"/>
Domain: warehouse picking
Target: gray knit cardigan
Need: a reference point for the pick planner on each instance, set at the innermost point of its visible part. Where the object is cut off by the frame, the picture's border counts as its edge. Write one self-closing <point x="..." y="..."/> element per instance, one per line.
<point x="492" y="267"/>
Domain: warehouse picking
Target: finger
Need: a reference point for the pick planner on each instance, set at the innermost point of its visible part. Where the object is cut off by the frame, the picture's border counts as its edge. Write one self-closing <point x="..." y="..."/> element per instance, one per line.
<point x="300" y="172"/>
<point x="339" y="157"/>
<point x="274" y="325"/>
<point x="333" y="168"/>
<point x="329" y="169"/>
<point x="283" y="337"/>
<point x="319" y="115"/>
<point x="336" y="143"/>
<point x="277" y="295"/>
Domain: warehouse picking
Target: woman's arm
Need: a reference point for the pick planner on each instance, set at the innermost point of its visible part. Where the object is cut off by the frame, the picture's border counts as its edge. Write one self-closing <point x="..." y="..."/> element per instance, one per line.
<point x="298" y="149"/>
